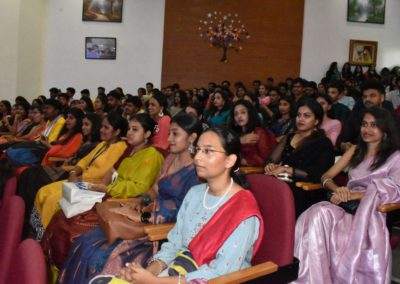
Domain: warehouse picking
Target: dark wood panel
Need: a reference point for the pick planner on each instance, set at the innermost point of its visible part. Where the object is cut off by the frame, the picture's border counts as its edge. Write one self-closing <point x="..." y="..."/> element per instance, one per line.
<point x="273" y="49"/>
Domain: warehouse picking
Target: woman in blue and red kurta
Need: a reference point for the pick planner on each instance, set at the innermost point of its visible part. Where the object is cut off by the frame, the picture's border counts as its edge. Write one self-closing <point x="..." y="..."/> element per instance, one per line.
<point x="216" y="245"/>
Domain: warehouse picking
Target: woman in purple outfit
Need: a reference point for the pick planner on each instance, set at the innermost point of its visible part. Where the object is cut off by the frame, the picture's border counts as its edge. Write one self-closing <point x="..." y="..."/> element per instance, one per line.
<point x="334" y="246"/>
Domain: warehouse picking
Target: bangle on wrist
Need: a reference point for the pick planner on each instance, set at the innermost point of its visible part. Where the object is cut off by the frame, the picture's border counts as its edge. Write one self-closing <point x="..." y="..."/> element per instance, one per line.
<point x="325" y="181"/>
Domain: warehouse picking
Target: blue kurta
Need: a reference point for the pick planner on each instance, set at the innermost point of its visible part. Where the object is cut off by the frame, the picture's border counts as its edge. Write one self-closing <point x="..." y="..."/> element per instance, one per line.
<point x="235" y="253"/>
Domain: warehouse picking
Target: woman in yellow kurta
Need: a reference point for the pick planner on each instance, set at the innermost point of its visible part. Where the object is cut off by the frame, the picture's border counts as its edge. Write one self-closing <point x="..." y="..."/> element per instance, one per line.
<point x="139" y="170"/>
<point x="93" y="168"/>
<point x="136" y="174"/>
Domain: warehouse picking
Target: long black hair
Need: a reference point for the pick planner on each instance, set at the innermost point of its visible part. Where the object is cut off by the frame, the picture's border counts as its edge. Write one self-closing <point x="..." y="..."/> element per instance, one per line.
<point x="162" y="100"/>
<point x="231" y="144"/>
<point x="291" y="103"/>
<point x="89" y="104"/>
<point x="225" y="96"/>
<point x="7" y="105"/>
<point x="117" y="122"/>
<point x="78" y="115"/>
<point x="315" y="108"/>
<point x="329" y="102"/>
<point x="95" y="120"/>
<point x="188" y="123"/>
<point x="318" y="112"/>
<point x="390" y="141"/>
<point x="146" y="122"/>
<point x="183" y="99"/>
<point x="253" y="118"/>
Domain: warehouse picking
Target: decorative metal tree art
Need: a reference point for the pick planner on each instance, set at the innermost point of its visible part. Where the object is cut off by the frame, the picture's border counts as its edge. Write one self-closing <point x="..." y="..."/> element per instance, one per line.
<point x="225" y="31"/>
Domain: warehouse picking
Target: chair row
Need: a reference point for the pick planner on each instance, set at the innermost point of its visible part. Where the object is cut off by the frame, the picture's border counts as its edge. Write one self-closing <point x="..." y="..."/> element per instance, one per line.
<point x="20" y="262"/>
<point x="274" y="261"/>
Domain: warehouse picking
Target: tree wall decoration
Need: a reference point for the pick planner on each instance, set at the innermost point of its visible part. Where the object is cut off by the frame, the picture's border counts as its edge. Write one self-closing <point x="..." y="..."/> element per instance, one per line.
<point x="224" y="31"/>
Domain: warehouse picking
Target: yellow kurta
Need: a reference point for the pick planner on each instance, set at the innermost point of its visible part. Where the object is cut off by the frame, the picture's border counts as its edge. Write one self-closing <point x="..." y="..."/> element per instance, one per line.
<point x="55" y="131"/>
<point x="136" y="174"/>
<point x="94" y="169"/>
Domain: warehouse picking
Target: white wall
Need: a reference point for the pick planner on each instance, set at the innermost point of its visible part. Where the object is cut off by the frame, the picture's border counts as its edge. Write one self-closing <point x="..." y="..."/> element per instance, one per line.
<point x="9" y="15"/>
<point x="31" y="32"/>
<point x="139" y="47"/>
<point x="326" y="36"/>
<point x="21" y="57"/>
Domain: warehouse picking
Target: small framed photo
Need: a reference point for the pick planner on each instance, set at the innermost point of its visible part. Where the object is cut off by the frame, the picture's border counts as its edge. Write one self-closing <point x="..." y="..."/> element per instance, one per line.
<point x="363" y="52"/>
<point x="102" y="10"/>
<point x="366" y="11"/>
<point x="100" y="48"/>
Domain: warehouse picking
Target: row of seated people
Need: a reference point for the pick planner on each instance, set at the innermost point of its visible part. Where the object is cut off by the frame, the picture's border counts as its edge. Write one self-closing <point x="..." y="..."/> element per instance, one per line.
<point x="302" y="155"/>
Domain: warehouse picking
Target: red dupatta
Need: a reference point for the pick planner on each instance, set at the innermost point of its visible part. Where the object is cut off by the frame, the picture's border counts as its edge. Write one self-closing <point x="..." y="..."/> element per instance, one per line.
<point x="241" y="206"/>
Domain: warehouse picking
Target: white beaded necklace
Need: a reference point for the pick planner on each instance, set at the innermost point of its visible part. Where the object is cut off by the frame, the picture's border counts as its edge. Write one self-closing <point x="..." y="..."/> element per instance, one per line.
<point x="221" y="198"/>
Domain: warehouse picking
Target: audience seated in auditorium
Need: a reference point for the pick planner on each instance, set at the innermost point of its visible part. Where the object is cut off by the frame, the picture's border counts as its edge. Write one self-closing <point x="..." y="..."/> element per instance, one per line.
<point x="5" y="112"/>
<point x="33" y="178"/>
<point x="219" y="110"/>
<point x="114" y="102"/>
<point x="394" y="95"/>
<point x="373" y="94"/>
<point x="338" y="110"/>
<point x="334" y="245"/>
<point x="303" y="155"/>
<point x="38" y="126"/>
<point x="158" y="110"/>
<point x="233" y="241"/>
<point x="177" y="176"/>
<point x="67" y="143"/>
<point x="133" y="105"/>
<point x="180" y="103"/>
<point x="297" y="90"/>
<point x="256" y="143"/>
<point x="21" y="123"/>
<point x="95" y="168"/>
<point x="284" y="122"/>
<point x="136" y="173"/>
<point x="332" y="127"/>
<point x="100" y="105"/>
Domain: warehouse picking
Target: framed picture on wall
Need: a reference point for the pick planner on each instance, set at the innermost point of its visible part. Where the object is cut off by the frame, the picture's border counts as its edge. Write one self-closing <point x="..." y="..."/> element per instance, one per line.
<point x="102" y="10"/>
<point x="100" y="48"/>
<point x="363" y="52"/>
<point x="366" y="11"/>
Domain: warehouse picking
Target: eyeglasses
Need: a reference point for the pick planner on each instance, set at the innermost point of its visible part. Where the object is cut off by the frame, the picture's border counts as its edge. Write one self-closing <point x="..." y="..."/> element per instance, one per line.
<point x="207" y="151"/>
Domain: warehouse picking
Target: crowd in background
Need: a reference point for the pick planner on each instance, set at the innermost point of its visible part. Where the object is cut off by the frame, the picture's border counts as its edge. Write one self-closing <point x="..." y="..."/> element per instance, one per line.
<point x="150" y="146"/>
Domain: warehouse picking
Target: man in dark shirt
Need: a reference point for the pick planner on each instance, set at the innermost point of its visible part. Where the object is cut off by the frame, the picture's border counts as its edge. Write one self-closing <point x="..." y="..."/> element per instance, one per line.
<point x="338" y="110"/>
<point x="373" y="94"/>
<point x="298" y="89"/>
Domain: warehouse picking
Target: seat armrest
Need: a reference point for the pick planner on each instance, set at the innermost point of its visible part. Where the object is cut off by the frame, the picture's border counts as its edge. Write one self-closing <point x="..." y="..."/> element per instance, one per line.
<point x="246" y="274"/>
<point x="308" y="186"/>
<point x="251" y="170"/>
<point x="158" y="232"/>
<point x="57" y="159"/>
<point x="384" y="208"/>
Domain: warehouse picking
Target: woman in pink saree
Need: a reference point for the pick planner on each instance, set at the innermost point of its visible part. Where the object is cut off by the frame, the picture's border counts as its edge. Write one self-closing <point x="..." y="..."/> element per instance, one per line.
<point x="337" y="247"/>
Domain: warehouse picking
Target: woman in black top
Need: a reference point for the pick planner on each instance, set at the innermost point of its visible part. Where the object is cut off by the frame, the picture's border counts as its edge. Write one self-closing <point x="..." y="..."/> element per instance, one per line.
<point x="303" y="155"/>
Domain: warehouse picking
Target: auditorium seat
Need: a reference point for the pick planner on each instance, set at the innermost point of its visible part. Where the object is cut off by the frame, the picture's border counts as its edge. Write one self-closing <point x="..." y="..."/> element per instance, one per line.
<point x="11" y="222"/>
<point x="274" y="262"/>
<point x="28" y="264"/>
<point x="9" y="189"/>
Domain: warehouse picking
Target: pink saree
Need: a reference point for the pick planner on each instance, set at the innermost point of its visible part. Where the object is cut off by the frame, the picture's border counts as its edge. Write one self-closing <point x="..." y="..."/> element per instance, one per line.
<point x="336" y="247"/>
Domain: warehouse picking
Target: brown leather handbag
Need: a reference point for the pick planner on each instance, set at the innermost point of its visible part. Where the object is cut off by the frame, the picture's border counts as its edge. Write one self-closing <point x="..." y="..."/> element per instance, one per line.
<point x="118" y="226"/>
